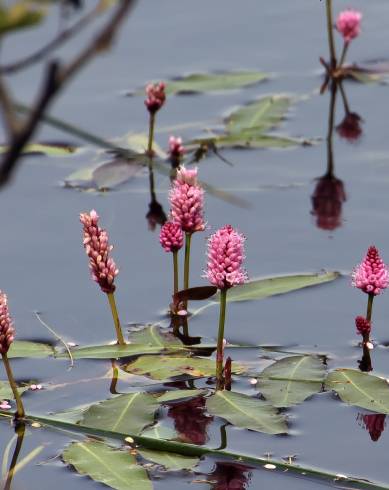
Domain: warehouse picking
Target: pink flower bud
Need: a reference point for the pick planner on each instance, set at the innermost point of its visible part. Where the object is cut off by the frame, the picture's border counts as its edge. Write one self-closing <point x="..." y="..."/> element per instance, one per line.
<point x="176" y="149"/>
<point x="225" y="258"/>
<point x="102" y="266"/>
<point x="171" y="237"/>
<point x="348" y="24"/>
<point x="155" y="96"/>
<point x="187" y="201"/>
<point x="371" y="276"/>
<point x="7" y="332"/>
<point x="363" y="326"/>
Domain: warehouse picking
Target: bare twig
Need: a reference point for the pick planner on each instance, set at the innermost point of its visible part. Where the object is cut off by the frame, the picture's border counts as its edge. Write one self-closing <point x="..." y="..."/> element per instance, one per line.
<point x="56" y="78"/>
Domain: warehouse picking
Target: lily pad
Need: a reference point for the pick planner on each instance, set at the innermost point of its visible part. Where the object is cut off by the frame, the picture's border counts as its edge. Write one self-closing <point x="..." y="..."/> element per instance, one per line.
<point x="246" y="412"/>
<point x="159" y="431"/>
<point x="165" y="367"/>
<point x="176" y="395"/>
<point x="129" y="413"/>
<point x="154" y="336"/>
<point x="170" y="461"/>
<point x="253" y="139"/>
<point x="25" y="348"/>
<point x="360" y="389"/>
<point x="291" y="380"/>
<point x="115" y="468"/>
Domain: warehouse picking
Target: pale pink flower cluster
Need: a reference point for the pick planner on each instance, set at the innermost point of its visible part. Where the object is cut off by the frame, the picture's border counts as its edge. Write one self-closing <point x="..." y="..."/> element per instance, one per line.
<point x="371" y="275"/>
<point x="171" y="237"/>
<point x="102" y="266"/>
<point x="4" y="405"/>
<point x="225" y="258"/>
<point x="156" y="96"/>
<point x="7" y="332"/>
<point x="348" y="24"/>
<point x="176" y="148"/>
<point x="187" y="201"/>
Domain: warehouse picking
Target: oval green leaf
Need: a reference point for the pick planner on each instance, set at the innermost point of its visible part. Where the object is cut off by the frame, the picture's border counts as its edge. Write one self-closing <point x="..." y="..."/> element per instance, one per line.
<point x="25" y="348"/>
<point x="129" y="413"/>
<point x="291" y="380"/>
<point x="246" y="412"/>
<point x="116" y="469"/>
<point x="360" y="389"/>
<point x="175" y="395"/>
<point x="170" y="461"/>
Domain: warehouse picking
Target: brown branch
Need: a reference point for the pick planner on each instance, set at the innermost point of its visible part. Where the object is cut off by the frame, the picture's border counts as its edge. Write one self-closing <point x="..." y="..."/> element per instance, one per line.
<point x="10" y="118"/>
<point x="55" y="80"/>
<point x="52" y="45"/>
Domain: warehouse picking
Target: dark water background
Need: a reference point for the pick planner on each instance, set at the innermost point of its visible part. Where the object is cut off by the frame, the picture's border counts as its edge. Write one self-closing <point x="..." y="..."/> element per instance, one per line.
<point x="43" y="265"/>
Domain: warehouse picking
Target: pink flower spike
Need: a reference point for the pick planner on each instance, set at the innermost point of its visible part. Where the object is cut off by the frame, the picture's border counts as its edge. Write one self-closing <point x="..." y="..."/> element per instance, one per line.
<point x="225" y="258"/>
<point x="171" y="237"/>
<point x="156" y="96"/>
<point x="102" y="266"/>
<point x="176" y="149"/>
<point x="4" y="405"/>
<point x="7" y="332"/>
<point x="187" y="201"/>
<point x="371" y="276"/>
<point x="348" y="24"/>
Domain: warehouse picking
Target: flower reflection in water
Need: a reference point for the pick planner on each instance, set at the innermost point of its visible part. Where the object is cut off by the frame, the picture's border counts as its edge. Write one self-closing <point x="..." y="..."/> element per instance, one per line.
<point x="327" y="202"/>
<point x="373" y="423"/>
<point x="230" y="476"/>
<point x="190" y="420"/>
<point x="350" y="128"/>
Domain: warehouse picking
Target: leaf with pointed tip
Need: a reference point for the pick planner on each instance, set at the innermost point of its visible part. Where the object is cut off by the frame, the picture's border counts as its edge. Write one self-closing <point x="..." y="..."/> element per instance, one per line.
<point x="254" y="139"/>
<point x="291" y="380"/>
<point x="115" y="468"/>
<point x="170" y="461"/>
<point x="25" y="348"/>
<point x="110" y="351"/>
<point x="175" y="395"/>
<point x="246" y="412"/>
<point x="263" y="288"/>
<point x="165" y="367"/>
<point x="129" y="413"/>
<point x="195" y="294"/>
<point x="360" y="389"/>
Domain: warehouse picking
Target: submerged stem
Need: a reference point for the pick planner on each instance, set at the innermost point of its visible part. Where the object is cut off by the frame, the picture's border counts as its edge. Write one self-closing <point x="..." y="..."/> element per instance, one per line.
<point x="116" y="321"/>
<point x="220" y="338"/>
<point x="175" y="272"/>
<point x="19" y="404"/>
<point x="330" y="33"/>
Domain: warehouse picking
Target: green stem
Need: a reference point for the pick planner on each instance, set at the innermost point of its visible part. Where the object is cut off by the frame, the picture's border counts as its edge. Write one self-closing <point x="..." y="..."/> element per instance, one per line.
<point x="188" y="237"/>
<point x="175" y="271"/>
<point x="199" y="451"/>
<point x="19" y="404"/>
<point x="151" y="134"/>
<point x="369" y="307"/>
<point x="344" y="52"/>
<point x="220" y="338"/>
<point x="115" y="316"/>
<point x="331" y="123"/>
<point x="330" y="33"/>
<point x="20" y="430"/>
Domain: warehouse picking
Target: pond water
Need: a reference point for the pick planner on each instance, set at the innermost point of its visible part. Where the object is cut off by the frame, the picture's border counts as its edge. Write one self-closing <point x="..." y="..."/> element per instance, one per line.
<point x="44" y="268"/>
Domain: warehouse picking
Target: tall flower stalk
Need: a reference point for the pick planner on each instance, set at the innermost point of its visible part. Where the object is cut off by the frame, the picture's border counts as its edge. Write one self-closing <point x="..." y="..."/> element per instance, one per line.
<point x="187" y="209"/>
<point x="155" y="99"/>
<point x="7" y="335"/>
<point x="330" y="34"/>
<point x="224" y="270"/>
<point x="102" y="266"/>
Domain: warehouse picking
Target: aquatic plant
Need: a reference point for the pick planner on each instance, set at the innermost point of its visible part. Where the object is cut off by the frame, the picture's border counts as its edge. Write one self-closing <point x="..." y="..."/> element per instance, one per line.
<point x="172" y="239"/>
<point x="155" y="99"/>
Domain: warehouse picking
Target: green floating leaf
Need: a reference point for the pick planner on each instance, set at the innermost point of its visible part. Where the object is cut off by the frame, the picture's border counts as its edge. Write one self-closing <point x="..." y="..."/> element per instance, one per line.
<point x="129" y="413"/>
<point x="154" y="336"/>
<point x="19" y="16"/>
<point x="246" y="412"/>
<point x="263" y="288"/>
<point x="213" y="82"/>
<point x="164" y="367"/>
<point x="170" y="461"/>
<point x="259" y="116"/>
<point x="360" y="389"/>
<point x="48" y="149"/>
<point x="251" y="139"/>
<point x="176" y="395"/>
<point x="6" y="390"/>
<point x="114" y="173"/>
<point x="116" y="469"/>
<point x="291" y="380"/>
<point x="371" y="72"/>
<point x="25" y="348"/>
<point x="159" y="431"/>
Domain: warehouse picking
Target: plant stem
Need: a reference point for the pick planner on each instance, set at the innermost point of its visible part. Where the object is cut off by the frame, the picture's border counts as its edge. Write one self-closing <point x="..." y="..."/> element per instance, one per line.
<point x="331" y="123"/>
<point x="175" y="271"/>
<point x="19" y="404"/>
<point x="20" y="430"/>
<point x="151" y="134"/>
<point x="330" y="33"/>
<point x="116" y="321"/>
<point x="369" y="307"/>
<point x="344" y="52"/>
<point x="188" y="237"/>
<point x="220" y="338"/>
